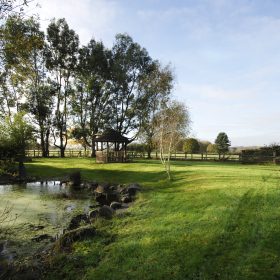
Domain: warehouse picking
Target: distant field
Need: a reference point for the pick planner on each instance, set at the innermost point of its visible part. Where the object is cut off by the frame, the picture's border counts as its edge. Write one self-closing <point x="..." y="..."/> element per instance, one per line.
<point x="214" y="221"/>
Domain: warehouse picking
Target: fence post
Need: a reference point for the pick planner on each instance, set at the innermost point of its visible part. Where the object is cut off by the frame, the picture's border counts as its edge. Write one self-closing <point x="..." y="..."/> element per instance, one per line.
<point x="274" y="157"/>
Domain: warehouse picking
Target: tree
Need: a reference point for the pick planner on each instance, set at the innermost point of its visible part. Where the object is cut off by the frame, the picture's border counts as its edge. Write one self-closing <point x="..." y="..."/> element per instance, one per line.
<point x="61" y="60"/>
<point x="191" y="146"/>
<point x="222" y="143"/>
<point x="157" y="84"/>
<point x="92" y="101"/>
<point x="203" y="146"/>
<point x="211" y="149"/>
<point x="20" y="37"/>
<point x="172" y="124"/>
<point x="25" y="75"/>
<point x="129" y="65"/>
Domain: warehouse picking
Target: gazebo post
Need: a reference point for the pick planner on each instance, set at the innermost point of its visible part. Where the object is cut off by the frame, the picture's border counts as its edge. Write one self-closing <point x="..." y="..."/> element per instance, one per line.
<point x="108" y="158"/>
<point x="125" y="146"/>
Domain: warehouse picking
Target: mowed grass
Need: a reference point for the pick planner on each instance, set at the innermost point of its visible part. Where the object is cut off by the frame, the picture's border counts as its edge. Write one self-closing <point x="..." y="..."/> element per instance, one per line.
<point x="213" y="221"/>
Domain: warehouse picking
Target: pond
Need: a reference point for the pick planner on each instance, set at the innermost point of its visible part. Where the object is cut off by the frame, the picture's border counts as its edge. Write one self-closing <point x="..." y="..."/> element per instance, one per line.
<point x="37" y="209"/>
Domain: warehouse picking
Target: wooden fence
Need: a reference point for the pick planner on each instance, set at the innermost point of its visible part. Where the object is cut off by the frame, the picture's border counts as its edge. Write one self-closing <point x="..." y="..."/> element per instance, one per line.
<point x="131" y="154"/>
<point x="184" y="156"/>
<point x="174" y="156"/>
<point x="56" y="153"/>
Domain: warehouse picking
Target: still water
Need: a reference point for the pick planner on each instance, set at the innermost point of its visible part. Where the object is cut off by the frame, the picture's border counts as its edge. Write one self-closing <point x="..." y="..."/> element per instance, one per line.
<point x="35" y="209"/>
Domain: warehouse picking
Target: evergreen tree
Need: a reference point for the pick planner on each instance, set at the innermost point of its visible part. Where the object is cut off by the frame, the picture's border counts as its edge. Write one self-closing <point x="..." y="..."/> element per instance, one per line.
<point x="222" y="143"/>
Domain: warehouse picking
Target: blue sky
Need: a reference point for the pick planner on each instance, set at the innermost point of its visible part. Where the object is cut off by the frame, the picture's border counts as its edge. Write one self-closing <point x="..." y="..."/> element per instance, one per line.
<point x="225" y="54"/>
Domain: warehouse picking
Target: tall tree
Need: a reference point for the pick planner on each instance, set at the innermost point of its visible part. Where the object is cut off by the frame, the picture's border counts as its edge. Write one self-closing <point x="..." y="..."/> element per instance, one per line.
<point x="61" y="60"/>
<point x="157" y="85"/>
<point x="24" y="75"/>
<point x="19" y="38"/>
<point x="92" y="100"/>
<point x="222" y="144"/>
<point x="130" y="63"/>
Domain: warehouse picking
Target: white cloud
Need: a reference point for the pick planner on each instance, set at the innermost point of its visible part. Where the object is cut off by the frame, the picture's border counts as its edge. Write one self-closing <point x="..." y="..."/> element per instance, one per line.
<point x="89" y="18"/>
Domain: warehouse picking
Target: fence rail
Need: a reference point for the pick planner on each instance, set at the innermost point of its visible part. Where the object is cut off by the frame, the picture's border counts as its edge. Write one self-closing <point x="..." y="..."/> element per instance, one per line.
<point x="174" y="156"/>
<point x="185" y="156"/>
<point x="56" y="153"/>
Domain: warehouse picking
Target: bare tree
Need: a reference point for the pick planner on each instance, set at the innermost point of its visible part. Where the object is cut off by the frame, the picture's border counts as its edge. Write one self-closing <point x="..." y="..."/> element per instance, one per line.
<point x="172" y="123"/>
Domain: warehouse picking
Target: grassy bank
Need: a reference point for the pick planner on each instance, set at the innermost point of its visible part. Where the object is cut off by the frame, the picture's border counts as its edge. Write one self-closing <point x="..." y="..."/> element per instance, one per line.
<point x="214" y="221"/>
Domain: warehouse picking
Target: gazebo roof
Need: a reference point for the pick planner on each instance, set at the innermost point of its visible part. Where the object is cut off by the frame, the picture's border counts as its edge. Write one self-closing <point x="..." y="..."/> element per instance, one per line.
<point x="110" y="135"/>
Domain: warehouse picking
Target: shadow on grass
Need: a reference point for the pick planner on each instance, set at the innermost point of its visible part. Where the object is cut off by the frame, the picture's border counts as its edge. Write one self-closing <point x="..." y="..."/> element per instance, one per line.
<point x="112" y="173"/>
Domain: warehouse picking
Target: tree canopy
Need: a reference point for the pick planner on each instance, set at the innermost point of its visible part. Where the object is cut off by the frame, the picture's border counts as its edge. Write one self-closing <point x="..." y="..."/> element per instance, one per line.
<point x="191" y="146"/>
<point x="68" y="90"/>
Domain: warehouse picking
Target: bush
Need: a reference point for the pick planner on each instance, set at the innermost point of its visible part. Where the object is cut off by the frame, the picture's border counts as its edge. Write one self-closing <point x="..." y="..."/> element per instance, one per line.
<point x="15" y="136"/>
<point x="8" y="167"/>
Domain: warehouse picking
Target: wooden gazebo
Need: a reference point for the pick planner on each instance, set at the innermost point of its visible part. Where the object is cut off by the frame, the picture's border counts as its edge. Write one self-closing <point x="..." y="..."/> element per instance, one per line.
<point x="110" y="146"/>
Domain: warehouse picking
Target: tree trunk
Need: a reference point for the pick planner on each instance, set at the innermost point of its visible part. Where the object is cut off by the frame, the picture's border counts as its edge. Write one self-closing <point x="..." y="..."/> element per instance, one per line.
<point x="62" y="152"/>
<point x="42" y="140"/>
<point x="93" y="150"/>
<point x="47" y="142"/>
<point x="61" y="146"/>
<point x="149" y="151"/>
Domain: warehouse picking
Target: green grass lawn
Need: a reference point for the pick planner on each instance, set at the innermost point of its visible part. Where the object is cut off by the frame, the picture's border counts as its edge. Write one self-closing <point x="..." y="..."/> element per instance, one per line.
<point x="213" y="221"/>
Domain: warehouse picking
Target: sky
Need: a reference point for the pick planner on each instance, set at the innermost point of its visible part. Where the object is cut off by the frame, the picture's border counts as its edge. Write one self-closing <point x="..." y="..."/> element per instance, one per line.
<point x="225" y="55"/>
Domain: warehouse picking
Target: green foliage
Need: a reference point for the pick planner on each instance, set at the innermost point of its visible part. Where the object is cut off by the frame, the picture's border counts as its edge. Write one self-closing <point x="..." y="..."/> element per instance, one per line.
<point x="92" y="101"/>
<point x="137" y="147"/>
<point x="191" y="146"/>
<point x="211" y="149"/>
<point x="130" y="64"/>
<point x="8" y="167"/>
<point x="15" y="136"/>
<point x="222" y="143"/>
<point x="203" y="146"/>
<point x="61" y="60"/>
<point x="93" y="87"/>
<point x="157" y="84"/>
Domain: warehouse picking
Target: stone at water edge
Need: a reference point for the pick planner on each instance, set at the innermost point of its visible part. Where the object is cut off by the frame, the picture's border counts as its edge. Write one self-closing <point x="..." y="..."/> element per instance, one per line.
<point x="42" y="237"/>
<point x="102" y="188"/>
<point x="132" y="189"/>
<point x="126" y="199"/>
<point x="116" y="205"/>
<point x="69" y="237"/>
<point x="93" y="214"/>
<point x="106" y="212"/>
<point x="77" y="220"/>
